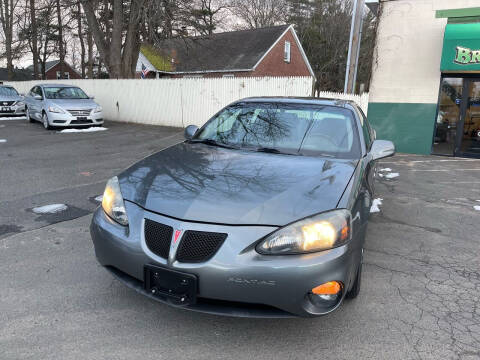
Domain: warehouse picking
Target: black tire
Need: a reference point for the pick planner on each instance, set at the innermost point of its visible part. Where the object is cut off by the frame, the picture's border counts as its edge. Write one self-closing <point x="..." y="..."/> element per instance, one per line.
<point x="355" y="290"/>
<point x="45" y="123"/>
<point x="27" y="113"/>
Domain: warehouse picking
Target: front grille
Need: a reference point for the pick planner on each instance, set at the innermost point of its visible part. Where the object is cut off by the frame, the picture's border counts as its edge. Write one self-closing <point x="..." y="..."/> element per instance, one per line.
<point x="199" y="246"/>
<point x="158" y="238"/>
<point x="85" y="112"/>
<point x="81" y="122"/>
<point x="7" y="103"/>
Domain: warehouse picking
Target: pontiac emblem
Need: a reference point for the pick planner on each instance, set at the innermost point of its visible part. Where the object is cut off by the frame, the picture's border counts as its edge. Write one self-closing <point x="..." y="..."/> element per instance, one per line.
<point x="176" y="236"/>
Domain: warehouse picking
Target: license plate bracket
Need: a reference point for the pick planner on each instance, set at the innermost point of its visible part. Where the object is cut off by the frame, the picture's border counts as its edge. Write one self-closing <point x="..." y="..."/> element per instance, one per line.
<point x="174" y="286"/>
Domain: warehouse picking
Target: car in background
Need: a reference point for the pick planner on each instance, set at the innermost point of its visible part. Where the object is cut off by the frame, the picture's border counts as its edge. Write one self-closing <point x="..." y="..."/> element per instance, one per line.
<point x="11" y="102"/>
<point x="261" y="212"/>
<point x="57" y="105"/>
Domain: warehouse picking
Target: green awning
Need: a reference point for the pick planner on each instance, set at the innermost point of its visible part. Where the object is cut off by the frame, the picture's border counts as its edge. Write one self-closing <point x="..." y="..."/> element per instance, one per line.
<point x="461" y="48"/>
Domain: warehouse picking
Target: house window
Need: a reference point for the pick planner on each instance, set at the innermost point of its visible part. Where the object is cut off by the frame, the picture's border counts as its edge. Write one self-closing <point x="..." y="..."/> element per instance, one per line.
<point x="67" y="75"/>
<point x="287" y="52"/>
<point x="229" y="76"/>
<point x="59" y="75"/>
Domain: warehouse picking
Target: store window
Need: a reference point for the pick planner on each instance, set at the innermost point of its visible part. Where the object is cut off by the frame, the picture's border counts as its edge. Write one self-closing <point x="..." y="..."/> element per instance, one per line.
<point x="448" y="116"/>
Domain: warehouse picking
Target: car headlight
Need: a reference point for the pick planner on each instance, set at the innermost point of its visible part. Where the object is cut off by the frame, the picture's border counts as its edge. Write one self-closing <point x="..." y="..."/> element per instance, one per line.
<point x="113" y="203"/>
<point x="320" y="232"/>
<point x="55" y="109"/>
<point x="19" y="103"/>
<point x="98" y="109"/>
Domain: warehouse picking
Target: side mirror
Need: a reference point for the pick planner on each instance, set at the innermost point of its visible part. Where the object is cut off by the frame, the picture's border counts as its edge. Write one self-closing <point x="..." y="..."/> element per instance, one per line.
<point x="190" y="131"/>
<point x="382" y="149"/>
<point x="38" y="97"/>
<point x="92" y="97"/>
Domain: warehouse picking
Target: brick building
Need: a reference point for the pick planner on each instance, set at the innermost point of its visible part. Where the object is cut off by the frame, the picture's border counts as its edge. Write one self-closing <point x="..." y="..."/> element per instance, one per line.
<point x="53" y="71"/>
<point x="272" y="51"/>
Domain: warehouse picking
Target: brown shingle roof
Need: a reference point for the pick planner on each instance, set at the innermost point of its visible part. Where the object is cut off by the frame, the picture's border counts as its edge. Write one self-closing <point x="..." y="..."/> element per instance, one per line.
<point x="228" y="51"/>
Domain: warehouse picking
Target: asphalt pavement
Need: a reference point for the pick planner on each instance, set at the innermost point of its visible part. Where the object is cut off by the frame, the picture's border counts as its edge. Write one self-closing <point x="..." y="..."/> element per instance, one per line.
<point x="420" y="287"/>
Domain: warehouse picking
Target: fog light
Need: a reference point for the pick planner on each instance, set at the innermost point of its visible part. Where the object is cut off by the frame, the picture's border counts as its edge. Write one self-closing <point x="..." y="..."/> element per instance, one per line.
<point x="328" y="289"/>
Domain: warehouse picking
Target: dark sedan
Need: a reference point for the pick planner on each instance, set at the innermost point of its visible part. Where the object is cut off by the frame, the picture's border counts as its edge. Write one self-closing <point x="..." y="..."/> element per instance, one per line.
<point x="261" y="212"/>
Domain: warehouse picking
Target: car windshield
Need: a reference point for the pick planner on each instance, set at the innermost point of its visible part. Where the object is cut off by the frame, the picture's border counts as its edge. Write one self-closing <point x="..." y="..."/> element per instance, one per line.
<point x="296" y="129"/>
<point x="64" y="93"/>
<point x="8" y="91"/>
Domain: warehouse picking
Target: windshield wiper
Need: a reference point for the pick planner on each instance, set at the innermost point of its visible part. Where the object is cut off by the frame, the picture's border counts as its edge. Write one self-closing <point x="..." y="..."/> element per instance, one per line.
<point x="272" y="151"/>
<point x="212" y="142"/>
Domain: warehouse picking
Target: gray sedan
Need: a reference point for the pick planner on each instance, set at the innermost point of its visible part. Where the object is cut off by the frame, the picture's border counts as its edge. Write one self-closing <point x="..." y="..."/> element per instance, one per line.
<point x="261" y="212"/>
<point x="62" y="106"/>
<point x="11" y="102"/>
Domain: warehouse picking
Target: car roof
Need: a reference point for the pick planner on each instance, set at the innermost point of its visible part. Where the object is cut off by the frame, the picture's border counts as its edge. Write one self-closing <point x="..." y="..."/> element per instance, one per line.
<point x="57" y="85"/>
<point x="299" y="100"/>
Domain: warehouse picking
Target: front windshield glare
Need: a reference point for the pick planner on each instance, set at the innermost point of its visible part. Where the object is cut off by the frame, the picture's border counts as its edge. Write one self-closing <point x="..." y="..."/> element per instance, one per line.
<point x="289" y="128"/>
<point x="64" y="93"/>
<point x="8" y="91"/>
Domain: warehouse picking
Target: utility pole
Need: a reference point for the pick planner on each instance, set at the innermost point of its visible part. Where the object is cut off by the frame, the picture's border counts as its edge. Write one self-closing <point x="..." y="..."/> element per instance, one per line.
<point x="354" y="46"/>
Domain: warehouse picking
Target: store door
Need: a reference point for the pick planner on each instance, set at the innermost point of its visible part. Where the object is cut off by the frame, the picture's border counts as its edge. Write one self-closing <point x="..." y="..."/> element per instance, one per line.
<point x="457" y="129"/>
<point x="469" y="125"/>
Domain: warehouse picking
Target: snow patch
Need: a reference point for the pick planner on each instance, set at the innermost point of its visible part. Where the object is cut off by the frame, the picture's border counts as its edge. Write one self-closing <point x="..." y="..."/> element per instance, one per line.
<point x="3" y="140"/>
<point x="50" y="209"/>
<point x="90" y="129"/>
<point x="99" y="198"/>
<point x="386" y="169"/>
<point x="392" y="175"/>
<point x="375" y="205"/>
<point x="476" y="207"/>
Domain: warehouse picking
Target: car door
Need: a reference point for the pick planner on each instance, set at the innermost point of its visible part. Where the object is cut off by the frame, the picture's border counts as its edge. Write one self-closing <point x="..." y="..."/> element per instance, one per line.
<point x="36" y="106"/>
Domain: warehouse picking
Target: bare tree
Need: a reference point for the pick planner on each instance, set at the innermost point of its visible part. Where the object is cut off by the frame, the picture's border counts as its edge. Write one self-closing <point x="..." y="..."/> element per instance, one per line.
<point x="206" y="15"/>
<point x="118" y="44"/>
<point x="7" y="20"/>
<point x="34" y="38"/>
<point x="260" y="13"/>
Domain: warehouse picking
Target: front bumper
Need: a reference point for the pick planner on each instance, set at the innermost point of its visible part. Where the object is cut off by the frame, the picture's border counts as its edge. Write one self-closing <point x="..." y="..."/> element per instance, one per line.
<point x="11" y="111"/>
<point x="66" y="119"/>
<point x="237" y="280"/>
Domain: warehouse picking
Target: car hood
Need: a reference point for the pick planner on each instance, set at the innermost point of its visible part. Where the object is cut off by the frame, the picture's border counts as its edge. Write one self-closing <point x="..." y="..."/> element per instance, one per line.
<point x="10" y="98"/>
<point x="197" y="182"/>
<point x="74" y="104"/>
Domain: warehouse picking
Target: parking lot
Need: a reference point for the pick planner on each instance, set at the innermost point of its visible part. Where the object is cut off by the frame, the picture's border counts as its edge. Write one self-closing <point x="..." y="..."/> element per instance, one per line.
<point x="420" y="286"/>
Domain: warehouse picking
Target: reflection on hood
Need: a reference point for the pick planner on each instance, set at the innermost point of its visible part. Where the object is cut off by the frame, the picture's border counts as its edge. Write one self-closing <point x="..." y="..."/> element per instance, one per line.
<point x="204" y="183"/>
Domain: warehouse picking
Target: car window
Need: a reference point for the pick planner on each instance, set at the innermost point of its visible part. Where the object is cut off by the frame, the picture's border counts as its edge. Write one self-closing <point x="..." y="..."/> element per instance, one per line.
<point x="367" y="132"/>
<point x="37" y="91"/>
<point x="64" y="93"/>
<point x="287" y="127"/>
<point x="8" y="91"/>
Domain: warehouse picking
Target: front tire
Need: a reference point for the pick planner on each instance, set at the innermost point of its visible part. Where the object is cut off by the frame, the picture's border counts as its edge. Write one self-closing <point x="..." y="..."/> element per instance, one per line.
<point x="27" y="114"/>
<point x="355" y="290"/>
<point x="45" y="123"/>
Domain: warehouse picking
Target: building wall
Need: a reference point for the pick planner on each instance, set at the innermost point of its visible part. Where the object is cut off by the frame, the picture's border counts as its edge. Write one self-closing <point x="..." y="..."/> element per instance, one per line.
<point x="406" y="71"/>
<point x="52" y="73"/>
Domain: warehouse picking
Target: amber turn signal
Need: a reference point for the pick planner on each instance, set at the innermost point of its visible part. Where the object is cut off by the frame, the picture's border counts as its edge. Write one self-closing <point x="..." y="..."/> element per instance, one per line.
<point x="329" y="288"/>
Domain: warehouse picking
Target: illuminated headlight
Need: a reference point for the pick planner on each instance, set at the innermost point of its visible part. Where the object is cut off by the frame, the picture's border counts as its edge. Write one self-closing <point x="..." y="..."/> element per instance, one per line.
<point x="55" y="109"/>
<point x="320" y="232"/>
<point x="113" y="203"/>
<point x="98" y="109"/>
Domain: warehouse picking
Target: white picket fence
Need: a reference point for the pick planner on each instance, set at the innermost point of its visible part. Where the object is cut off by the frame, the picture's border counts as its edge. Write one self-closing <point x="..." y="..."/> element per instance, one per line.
<point x="181" y="102"/>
